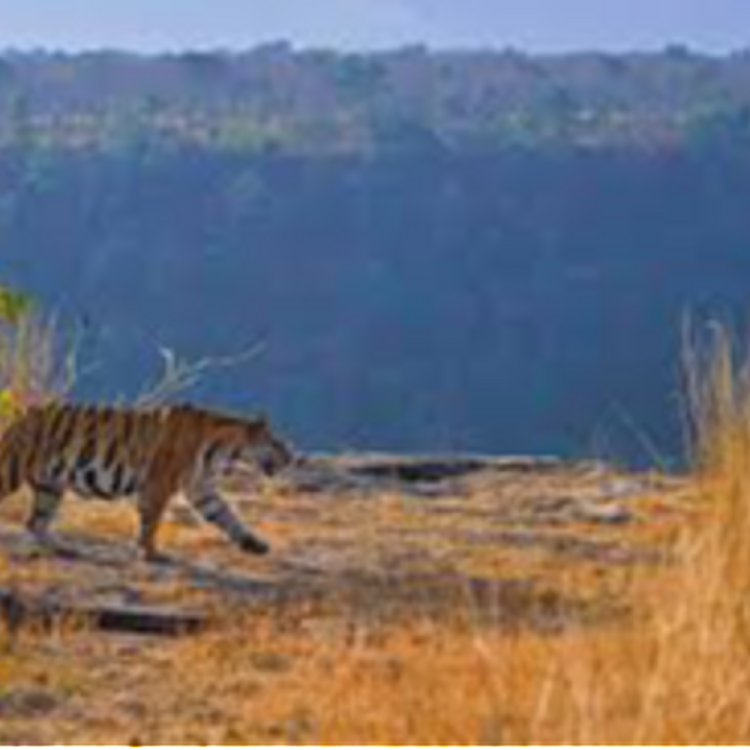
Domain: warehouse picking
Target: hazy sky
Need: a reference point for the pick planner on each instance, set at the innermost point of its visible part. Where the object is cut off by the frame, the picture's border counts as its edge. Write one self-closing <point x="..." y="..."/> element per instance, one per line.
<point x="540" y="25"/>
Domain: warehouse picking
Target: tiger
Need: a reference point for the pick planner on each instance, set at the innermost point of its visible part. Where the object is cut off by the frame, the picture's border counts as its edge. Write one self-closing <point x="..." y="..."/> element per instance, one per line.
<point x="106" y="452"/>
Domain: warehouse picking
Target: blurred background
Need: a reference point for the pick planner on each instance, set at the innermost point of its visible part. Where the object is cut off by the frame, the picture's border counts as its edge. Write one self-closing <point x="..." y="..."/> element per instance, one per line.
<point x="475" y="226"/>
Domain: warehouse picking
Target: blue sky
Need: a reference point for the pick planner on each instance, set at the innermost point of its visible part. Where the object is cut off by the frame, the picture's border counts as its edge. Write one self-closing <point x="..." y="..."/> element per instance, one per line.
<point x="537" y="25"/>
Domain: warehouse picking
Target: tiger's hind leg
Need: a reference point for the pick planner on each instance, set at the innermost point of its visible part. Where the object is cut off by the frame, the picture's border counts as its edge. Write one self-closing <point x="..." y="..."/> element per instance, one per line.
<point x="45" y="505"/>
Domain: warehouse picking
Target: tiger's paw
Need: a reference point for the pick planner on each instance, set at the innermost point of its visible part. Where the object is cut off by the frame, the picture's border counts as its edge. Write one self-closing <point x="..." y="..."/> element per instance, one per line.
<point x="254" y="546"/>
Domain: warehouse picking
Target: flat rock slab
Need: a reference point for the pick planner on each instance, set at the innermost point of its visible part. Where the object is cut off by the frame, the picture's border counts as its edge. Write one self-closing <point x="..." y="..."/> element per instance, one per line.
<point x="426" y="475"/>
<point x="17" y="610"/>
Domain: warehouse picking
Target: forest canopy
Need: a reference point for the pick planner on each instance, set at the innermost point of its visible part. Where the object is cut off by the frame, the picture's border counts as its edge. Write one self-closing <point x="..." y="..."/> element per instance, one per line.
<point x="273" y="98"/>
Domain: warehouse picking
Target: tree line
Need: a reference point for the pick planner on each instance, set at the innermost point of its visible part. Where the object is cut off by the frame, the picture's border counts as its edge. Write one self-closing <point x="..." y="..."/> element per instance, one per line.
<point x="276" y="99"/>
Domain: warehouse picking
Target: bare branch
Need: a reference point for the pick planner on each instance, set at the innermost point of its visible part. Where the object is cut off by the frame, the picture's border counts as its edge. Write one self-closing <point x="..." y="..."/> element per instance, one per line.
<point x="179" y="375"/>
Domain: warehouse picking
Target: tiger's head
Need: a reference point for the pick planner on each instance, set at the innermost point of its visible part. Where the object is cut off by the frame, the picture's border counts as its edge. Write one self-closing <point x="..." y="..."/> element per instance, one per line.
<point x="233" y="442"/>
<point x="265" y="448"/>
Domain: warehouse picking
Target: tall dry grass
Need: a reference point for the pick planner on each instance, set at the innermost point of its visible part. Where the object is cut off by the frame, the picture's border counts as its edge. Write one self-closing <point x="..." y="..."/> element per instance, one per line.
<point x="34" y="367"/>
<point x="677" y="669"/>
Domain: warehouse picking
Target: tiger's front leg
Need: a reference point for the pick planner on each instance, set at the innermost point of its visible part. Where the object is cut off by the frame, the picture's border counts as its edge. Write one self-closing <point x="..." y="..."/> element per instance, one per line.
<point x="44" y="509"/>
<point x="205" y="498"/>
<point x="151" y="506"/>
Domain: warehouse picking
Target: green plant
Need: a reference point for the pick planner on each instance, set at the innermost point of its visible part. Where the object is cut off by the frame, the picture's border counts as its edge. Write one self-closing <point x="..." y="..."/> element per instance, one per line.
<point x="32" y="367"/>
<point x="14" y="306"/>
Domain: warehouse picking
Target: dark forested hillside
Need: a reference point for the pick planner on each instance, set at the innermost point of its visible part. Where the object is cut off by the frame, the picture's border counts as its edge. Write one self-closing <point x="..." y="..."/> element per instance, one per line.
<point x="474" y="251"/>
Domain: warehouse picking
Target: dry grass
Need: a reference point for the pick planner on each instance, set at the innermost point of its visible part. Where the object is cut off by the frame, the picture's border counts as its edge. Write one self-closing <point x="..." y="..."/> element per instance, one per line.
<point x="677" y="671"/>
<point x="32" y="367"/>
<point x="367" y="665"/>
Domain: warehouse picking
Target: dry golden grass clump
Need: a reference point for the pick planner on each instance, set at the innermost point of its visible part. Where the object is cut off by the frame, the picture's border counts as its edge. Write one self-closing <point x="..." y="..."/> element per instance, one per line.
<point x="677" y="669"/>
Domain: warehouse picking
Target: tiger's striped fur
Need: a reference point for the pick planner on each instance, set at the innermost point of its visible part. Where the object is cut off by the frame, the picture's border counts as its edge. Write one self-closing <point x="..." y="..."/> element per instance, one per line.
<point x="107" y="452"/>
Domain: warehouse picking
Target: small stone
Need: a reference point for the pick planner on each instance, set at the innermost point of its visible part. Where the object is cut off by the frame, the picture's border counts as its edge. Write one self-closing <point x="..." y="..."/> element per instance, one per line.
<point x="609" y="514"/>
<point x="26" y="703"/>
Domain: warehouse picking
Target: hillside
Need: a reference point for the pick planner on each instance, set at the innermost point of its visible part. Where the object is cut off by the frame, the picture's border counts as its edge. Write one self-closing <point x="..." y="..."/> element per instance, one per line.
<point x="467" y="251"/>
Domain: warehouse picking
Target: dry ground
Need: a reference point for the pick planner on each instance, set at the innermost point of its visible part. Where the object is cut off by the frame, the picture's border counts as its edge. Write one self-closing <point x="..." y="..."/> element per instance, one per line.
<point x="478" y="608"/>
